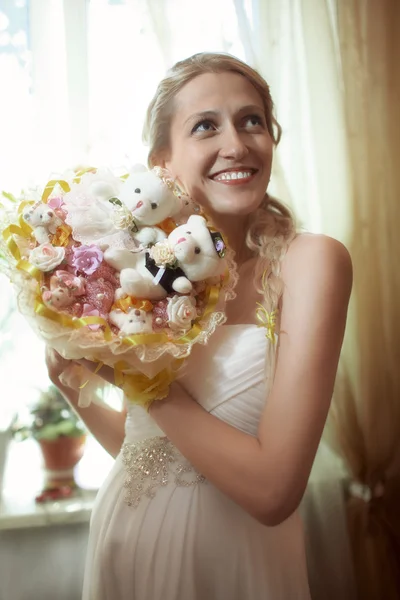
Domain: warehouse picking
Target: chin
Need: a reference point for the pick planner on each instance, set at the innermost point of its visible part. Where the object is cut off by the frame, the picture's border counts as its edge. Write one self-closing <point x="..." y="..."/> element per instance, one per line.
<point x="235" y="207"/>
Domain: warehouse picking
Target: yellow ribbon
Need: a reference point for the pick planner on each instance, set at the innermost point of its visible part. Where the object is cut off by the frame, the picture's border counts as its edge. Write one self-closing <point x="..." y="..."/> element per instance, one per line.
<point x="213" y="296"/>
<point x="81" y="172"/>
<point x="9" y="240"/>
<point x="267" y="320"/>
<point x="34" y="272"/>
<point x="50" y="187"/>
<point x="26" y="229"/>
<point x="94" y="373"/>
<point x="72" y="322"/>
<point x="145" y="338"/>
<point x="142" y="390"/>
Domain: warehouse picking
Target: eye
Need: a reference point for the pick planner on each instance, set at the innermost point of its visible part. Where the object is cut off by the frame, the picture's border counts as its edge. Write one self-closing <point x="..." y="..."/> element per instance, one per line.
<point x="189" y="232"/>
<point x="197" y="250"/>
<point x="153" y="205"/>
<point x="40" y="216"/>
<point x="203" y="127"/>
<point x="137" y="191"/>
<point x="253" y="121"/>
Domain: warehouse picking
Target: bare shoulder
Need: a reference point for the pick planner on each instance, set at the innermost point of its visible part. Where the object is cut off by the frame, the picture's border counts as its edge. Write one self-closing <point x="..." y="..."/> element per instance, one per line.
<point x="320" y="260"/>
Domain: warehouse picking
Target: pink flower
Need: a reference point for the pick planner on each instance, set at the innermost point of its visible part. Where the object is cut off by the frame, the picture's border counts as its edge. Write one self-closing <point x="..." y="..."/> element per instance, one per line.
<point x="86" y="259"/>
<point x="55" y="202"/>
<point x="57" y="205"/>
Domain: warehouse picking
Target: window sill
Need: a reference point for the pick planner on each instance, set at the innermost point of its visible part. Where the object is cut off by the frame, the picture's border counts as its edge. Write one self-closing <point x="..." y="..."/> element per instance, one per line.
<point x="23" y="480"/>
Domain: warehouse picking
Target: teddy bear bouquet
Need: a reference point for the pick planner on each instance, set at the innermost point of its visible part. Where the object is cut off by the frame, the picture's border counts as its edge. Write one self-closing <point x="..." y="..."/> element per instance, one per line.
<point x="121" y="270"/>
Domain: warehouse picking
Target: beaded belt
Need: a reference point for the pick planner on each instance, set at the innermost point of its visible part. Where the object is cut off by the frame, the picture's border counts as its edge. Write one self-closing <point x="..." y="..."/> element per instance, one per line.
<point x="155" y="462"/>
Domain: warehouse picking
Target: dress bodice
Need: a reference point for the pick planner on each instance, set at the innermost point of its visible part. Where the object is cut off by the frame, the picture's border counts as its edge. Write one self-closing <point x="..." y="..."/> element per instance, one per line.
<point x="226" y="377"/>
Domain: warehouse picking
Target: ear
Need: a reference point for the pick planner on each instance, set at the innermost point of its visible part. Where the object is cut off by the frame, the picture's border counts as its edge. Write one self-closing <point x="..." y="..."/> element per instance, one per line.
<point x="138" y="169"/>
<point x="197" y="220"/>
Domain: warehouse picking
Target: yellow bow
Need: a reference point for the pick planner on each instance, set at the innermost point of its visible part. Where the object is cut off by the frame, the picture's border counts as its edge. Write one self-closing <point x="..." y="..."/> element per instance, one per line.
<point x="128" y="302"/>
<point x="267" y="320"/>
<point x="168" y="225"/>
<point x="61" y="236"/>
<point x="142" y="390"/>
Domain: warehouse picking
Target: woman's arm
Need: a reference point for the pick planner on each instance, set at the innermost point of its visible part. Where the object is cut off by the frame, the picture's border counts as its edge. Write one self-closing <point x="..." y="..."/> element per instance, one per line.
<point x="105" y="424"/>
<point x="267" y="475"/>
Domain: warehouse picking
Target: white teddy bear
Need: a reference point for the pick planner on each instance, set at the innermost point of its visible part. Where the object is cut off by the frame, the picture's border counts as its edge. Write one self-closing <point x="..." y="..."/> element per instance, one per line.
<point x="150" y="201"/>
<point x="43" y="221"/>
<point x="193" y="252"/>
<point x="132" y="322"/>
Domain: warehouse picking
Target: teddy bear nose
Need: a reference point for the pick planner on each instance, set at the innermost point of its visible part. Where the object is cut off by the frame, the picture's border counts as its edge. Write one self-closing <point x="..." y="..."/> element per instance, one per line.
<point x="181" y="240"/>
<point x="139" y="204"/>
<point x="137" y="312"/>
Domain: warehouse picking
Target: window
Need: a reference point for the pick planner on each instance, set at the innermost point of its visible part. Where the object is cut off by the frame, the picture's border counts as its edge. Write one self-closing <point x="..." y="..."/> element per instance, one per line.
<point x="76" y="80"/>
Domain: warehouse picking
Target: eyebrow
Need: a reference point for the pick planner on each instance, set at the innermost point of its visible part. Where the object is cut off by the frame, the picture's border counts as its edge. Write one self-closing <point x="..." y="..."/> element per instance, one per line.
<point x="212" y="114"/>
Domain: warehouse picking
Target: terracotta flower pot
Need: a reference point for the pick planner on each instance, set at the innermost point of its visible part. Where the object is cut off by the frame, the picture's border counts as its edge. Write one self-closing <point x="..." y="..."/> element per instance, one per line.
<point x="60" y="456"/>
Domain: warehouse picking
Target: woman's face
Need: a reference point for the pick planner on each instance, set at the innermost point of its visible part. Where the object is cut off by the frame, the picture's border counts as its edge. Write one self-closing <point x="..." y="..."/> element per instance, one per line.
<point x="220" y="149"/>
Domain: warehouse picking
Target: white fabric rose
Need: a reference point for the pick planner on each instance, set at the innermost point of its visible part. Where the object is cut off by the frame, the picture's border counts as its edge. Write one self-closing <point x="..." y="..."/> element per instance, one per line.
<point x="181" y="311"/>
<point x="162" y="254"/>
<point x="47" y="257"/>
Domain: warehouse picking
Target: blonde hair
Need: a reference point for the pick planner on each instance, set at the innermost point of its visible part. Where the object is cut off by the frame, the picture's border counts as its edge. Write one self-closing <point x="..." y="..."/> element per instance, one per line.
<point x="272" y="226"/>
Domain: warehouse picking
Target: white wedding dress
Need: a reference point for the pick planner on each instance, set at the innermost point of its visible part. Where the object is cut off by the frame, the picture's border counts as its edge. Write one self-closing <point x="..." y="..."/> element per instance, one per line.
<point x="189" y="541"/>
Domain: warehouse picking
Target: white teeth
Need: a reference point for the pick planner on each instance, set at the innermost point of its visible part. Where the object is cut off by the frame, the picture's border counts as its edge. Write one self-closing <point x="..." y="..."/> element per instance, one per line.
<point x="233" y="175"/>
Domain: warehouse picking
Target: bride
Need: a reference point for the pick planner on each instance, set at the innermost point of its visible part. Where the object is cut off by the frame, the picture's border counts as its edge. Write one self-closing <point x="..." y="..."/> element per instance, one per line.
<point x="201" y="503"/>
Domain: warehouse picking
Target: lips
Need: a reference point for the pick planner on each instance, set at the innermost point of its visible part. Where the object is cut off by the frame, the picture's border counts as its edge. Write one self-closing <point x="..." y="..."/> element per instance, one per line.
<point x="182" y="239"/>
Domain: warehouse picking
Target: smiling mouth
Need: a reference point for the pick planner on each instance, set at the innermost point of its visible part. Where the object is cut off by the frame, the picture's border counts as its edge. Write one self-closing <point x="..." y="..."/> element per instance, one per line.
<point x="236" y="175"/>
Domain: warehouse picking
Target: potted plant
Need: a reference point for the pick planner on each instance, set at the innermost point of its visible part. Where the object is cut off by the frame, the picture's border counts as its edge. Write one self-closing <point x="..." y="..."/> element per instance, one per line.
<point x="61" y="436"/>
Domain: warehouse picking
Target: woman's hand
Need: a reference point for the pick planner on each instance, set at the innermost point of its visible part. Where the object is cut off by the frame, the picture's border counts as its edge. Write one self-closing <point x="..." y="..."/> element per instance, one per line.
<point x="106" y="424"/>
<point x="56" y="365"/>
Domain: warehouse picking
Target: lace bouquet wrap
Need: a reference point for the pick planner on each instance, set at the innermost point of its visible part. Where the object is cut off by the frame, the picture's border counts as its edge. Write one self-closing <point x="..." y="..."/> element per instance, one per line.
<point x="121" y="270"/>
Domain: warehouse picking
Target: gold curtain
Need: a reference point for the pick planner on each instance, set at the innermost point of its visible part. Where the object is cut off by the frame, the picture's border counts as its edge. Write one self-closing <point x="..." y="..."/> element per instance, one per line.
<point x="367" y="399"/>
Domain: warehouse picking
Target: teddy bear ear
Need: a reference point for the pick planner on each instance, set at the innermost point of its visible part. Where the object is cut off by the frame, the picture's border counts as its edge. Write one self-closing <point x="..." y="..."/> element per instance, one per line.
<point x="197" y="220"/>
<point x="138" y="168"/>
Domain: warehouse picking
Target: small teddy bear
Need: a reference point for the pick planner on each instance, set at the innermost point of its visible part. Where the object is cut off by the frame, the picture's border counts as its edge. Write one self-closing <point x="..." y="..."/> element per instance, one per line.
<point x="150" y="201"/>
<point x="197" y="255"/>
<point x="64" y="289"/>
<point x="43" y="220"/>
<point x="132" y="322"/>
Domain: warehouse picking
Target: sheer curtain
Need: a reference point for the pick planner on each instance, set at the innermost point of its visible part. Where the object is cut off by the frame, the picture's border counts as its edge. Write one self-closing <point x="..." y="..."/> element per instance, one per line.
<point x="333" y="69"/>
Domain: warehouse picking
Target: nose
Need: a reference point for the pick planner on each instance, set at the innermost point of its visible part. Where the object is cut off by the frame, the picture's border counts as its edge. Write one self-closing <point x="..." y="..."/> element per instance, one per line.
<point x="233" y="145"/>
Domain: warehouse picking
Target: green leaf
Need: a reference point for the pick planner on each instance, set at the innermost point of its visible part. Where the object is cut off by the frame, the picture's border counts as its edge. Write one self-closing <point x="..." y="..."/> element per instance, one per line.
<point x="9" y="196"/>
